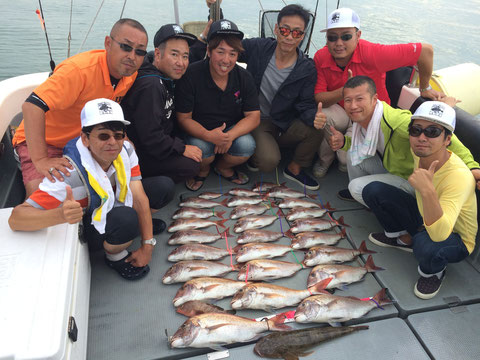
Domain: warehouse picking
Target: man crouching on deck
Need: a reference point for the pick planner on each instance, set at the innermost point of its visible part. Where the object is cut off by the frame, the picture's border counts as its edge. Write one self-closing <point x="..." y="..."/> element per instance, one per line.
<point x="105" y="189"/>
<point x="440" y="225"/>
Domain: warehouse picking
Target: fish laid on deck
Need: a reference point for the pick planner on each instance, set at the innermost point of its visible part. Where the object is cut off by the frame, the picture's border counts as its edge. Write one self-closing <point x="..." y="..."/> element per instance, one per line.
<point x="242" y="200"/>
<point x="206" y="288"/>
<point x="196" y="307"/>
<point x="283" y="192"/>
<point x="264" y="269"/>
<point x="250" y="236"/>
<point x="253" y="222"/>
<point x="209" y="195"/>
<point x="209" y="330"/>
<point x="333" y="309"/>
<point x="305" y="213"/>
<point x="308" y="239"/>
<point x="341" y="275"/>
<point x="248" y="210"/>
<point x="302" y="225"/>
<point x="187" y="270"/>
<point x="197" y="252"/>
<point x="194" y="236"/>
<point x="192" y="224"/>
<point x="252" y="251"/>
<point x="293" y="203"/>
<point x="295" y="343"/>
<point x="265" y="186"/>
<point x="269" y="297"/>
<point x="195" y="213"/>
<point x="200" y="203"/>
<point x="333" y="255"/>
<point x="242" y="192"/>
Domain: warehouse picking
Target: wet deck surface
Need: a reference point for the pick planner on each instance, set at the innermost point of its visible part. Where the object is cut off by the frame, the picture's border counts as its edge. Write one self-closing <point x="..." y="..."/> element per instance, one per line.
<point x="128" y="319"/>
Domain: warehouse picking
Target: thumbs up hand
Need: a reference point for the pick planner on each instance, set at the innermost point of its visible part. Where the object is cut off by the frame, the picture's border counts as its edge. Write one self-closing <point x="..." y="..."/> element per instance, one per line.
<point x="72" y="210"/>
<point x="422" y="179"/>
<point x="336" y="139"/>
<point x="320" y="118"/>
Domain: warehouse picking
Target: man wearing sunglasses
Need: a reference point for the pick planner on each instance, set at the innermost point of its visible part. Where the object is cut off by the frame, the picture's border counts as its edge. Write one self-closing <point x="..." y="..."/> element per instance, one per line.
<point x="149" y="105"/>
<point x="439" y="222"/>
<point x="104" y="190"/>
<point x="346" y="55"/>
<point x="378" y="147"/>
<point x="52" y="112"/>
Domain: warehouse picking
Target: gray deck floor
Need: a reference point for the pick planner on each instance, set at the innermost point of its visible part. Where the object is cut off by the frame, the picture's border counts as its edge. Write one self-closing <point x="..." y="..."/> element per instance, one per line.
<point x="128" y="319"/>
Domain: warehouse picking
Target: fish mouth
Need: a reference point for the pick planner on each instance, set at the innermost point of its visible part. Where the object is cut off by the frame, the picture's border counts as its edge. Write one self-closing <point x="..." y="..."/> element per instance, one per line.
<point x="236" y="304"/>
<point x="300" y="318"/>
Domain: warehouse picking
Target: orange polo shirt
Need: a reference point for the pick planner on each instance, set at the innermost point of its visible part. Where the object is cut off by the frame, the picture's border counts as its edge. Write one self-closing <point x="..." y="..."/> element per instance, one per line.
<point x="78" y="79"/>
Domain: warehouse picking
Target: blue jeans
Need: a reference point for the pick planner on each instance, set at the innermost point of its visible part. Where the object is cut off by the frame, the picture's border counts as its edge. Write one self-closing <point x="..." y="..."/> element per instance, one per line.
<point x="243" y="146"/>
<point x="397" y="211"/>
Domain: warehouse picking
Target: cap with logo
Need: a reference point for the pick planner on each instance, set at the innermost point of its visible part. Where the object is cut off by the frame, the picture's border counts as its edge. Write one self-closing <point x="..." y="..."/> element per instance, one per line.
<point x="224" y="27"/>
<point x="100" y="111"/>
<point x="342" y="18"/>
<point x="437" y="112"/>
<point x="170" y="31"/>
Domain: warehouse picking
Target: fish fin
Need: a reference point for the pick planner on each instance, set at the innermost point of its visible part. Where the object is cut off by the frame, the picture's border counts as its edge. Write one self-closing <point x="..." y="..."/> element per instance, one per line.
<point x="289" y="234"/>
<point x="329" y="207"/>
<point x="319" y="288"/>
<point x="226" y="232"/>
<point x="224" y="202"/>
<point x="370" y="265"/>
<point x="363" y="249"/>
<point x="210" y="287"/>
<point x="272" y="296"/>
<point x="236" y="248"/>
<point x="381" y="297"/>
<point x="195" y="268"/>
<point x="342" y="287"/>
<point x="277" y="324"/>
<point x="335" y="324"/>
<point x="217" y="348"/>
<point x="343" y="233"/>
<point x="221" y="222"/>
<point x="312" y="196"/>
<point x="218" y="326"/>
<point x="342" y="222"/>
<point x="290" y="355"/>
<point x="220" y="214"/>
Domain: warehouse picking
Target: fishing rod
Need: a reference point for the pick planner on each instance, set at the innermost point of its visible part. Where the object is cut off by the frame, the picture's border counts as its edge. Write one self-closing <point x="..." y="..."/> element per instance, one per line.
<point x="44" y="27"/>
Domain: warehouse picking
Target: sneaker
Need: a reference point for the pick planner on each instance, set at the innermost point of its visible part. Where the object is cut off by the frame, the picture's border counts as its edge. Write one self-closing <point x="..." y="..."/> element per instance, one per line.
<point x="302" y="178"/>
<point x="381" y="239"/>
<point x="345" y="195"/>
<point x="342" y="167"/>
<point x="158" y="226"/>
<point x="427" y="287"/>
<point x="250" y="166"/>
<point x="319" y="170"/>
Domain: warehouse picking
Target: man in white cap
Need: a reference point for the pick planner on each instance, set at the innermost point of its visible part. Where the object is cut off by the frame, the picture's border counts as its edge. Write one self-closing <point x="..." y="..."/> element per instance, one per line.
<point x="440" y="223"/>
<point x="104" y="190"/>
<point x="346" y="55"/>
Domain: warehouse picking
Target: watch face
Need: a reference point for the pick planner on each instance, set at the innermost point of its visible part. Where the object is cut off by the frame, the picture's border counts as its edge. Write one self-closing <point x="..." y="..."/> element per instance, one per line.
<point x="151" y="241"/>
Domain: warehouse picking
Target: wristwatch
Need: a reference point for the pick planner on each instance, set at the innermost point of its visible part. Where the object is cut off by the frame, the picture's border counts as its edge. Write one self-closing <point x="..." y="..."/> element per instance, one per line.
<point x="152" y="241"/>
<point x="203" y="38"/>
<point x="429" y="87"/>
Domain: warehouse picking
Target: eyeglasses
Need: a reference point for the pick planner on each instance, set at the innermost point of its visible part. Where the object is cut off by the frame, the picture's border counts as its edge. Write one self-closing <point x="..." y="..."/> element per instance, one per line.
<point x="106" y="137"/>
<point x="127" y="48"/>
<point x="344" y="37"/>
<point x="286" y="31"/>
<point x="429" y="131"/>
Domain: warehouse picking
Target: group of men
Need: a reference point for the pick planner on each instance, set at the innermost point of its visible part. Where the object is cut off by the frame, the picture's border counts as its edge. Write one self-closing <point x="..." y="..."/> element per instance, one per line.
<point x="185" y="119"/>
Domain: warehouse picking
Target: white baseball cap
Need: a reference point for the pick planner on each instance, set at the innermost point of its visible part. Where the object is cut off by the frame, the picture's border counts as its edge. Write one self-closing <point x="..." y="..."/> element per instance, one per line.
<point x="100" y="111"/>
<point x="437" y="112"/>
<point x="342" y="18"/>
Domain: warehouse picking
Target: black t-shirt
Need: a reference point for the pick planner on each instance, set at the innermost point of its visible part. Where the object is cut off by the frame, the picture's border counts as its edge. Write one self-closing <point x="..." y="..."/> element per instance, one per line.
<point x="196" y="92"/>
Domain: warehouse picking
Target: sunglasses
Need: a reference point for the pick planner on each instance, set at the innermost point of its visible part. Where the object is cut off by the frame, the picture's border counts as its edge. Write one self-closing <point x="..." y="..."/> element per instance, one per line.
<point x="344" y="37"/>
<point x="127" y="48"/>
<point x="105" y="136"/>
<point x="295" y="33"/>
<point x="429" y="131"/>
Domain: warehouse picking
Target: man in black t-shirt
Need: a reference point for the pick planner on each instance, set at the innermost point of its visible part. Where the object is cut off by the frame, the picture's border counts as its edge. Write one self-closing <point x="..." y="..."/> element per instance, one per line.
<point x="217" y="105"/>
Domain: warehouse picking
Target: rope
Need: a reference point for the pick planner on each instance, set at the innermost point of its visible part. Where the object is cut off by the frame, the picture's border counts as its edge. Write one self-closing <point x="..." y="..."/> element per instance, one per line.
<point x="91" y="26"/>
<point x="69" y="38"/>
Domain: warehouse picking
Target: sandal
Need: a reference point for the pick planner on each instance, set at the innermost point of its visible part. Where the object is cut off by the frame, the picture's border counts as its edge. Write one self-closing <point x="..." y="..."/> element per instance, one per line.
<point x="197" y="178"/>
<point x="127" y="270"/>
<point x="237" y="175"/>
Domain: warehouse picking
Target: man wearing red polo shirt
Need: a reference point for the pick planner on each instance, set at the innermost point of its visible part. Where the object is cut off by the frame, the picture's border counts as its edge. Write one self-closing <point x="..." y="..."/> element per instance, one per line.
<point x="346" y="55"/>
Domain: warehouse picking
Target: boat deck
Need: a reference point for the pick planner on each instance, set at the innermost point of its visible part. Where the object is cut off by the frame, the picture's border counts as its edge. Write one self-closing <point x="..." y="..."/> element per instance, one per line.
<point x="129" y="320"/>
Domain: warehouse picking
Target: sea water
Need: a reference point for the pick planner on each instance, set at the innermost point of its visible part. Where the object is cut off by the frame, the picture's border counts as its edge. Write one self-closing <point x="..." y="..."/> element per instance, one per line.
<point x="450" y="26"/>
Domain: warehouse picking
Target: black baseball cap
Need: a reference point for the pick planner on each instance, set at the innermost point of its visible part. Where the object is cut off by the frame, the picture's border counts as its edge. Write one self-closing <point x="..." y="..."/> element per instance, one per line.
<point x="224" y="27"/>
<point x="172" y="31"/>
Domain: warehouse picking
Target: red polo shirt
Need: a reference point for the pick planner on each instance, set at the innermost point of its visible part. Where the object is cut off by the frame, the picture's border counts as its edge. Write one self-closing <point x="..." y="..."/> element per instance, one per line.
<point x="369" y="59"/>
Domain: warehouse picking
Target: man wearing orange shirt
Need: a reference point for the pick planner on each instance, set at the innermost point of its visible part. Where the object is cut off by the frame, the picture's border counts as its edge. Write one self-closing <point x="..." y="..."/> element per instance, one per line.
<point x="52" y="112"/>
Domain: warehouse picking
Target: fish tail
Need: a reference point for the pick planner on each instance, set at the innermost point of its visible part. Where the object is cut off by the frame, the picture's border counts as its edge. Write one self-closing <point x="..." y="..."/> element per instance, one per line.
<point x="226" y="232"/>
<point x="219" y="214"/>
<point x="224" y="202"/>
<point x="280" y="213"/>
<point x="342" y="222"/>
<point x="329" y="207"/>
<point x="363" y="249"/>
<point x="381" y="297"/>
<point x="312" y="196"/>
<point x="289" y="234"/>
<point x="319" y="288"/>
<point x="343" y="233"/>
<point x="277" y="323"/>
<point x="236" y="248"/>
<point x="221" y="222"/>
<point x="370" y="265"/>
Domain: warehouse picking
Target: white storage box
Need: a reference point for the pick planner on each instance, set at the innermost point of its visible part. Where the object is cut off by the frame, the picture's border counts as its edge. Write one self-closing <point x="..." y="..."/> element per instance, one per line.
<point x="44" y="284"/>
